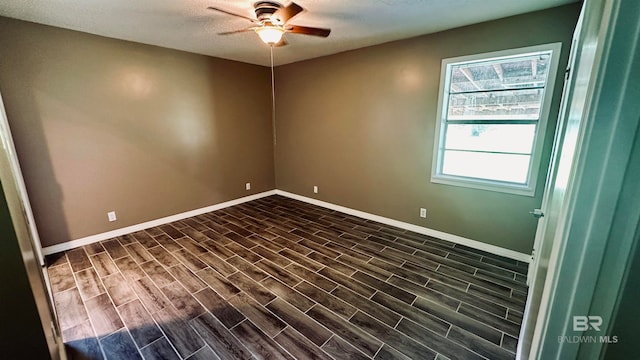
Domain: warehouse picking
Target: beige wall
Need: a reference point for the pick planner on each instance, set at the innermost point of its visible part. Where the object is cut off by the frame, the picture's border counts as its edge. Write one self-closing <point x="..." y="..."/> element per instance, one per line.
<point x="360" y="125"/>
<point x="102" y="124"/>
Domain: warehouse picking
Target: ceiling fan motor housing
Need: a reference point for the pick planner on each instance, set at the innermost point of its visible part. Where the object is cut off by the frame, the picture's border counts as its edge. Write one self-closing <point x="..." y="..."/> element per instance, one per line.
<point x="264" y="9"/>
<point x="271" y="21"/>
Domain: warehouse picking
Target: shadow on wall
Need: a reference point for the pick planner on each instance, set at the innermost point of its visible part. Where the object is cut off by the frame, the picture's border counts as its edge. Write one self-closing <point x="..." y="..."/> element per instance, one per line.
<point x="30" y="142"/>
<point x="103" y="125"/>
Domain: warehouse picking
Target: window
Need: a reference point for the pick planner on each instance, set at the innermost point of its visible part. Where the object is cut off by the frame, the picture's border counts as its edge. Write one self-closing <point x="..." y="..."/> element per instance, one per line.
<point x="492" y="113"/>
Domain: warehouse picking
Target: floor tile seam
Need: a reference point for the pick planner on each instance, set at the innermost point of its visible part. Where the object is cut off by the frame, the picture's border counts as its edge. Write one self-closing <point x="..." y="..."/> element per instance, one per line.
<point x="412" y="258"/>
<point x="86" y="309"/>
<point x="83" y="306"/>
<point x="159" y="339"/>
<point x="444" y="337"/>
<point x="426" y="242"/>
<point x="348" y="324"/>
<point x="513" y="291"/>
<point x="519" y="270"/>
<point x="500" y="332"/>
<point x="386" y="281"/>
<point x="349" y="277"/>
<point x="491" y="314"/>
<point x="189" y="323"/>
<point x="304" y="256"/>
<point x="292" y="288"/>
<point x="293" y="356"/>
<point x="404" y="269"/>
<point x="517" y="313"/>
<point x="66" y="261"/>
<point x="102" y="350"/>
<point x="420" y="311"/>
<point x="483" y="296"/>
<point x="459" y="278"/>
<point x="226" y="303"/>
<point x="376" y="255"/>
<point x="282" y="268"/>
<point x="358" y="349"/>
<point x="497" y="279"/>
<point x="109" y="253"/>
<point x="493" y="267"/>
<point x="148" y="311"/>
<point x="168" y="252"/>
<point x="104" y="287"/>
<point x="394" y="329"/>
<point x="494" y="344"/>
<point x="453" y="266"/>
<point x="71" y="264"/>
<point x="280" y="332"/>
<point x="363" y="269"/>
<point x="197" y="257"/>
<point x="432" y="277"/>
<point x="160" y="289"/>
<point x="379" y="349"/>
<point x="66" y="290"/>
<point x="291" y="325"/>
<point x="461" y="301"/>
<point x="364" y="311"/>
<point x="171" y="302"/>
<point x="229" y="330"/>
<point x="352" y="248"/>
<point x="467" y="347"/>
<point x="413" y="251"/>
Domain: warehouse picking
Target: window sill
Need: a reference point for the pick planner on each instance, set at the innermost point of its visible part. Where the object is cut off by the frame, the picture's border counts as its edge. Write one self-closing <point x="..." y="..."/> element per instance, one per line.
<point x="514" y="189"/>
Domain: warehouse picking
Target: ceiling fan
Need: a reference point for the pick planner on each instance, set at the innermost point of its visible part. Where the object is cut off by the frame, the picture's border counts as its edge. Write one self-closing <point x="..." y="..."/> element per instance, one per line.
<point x="271" y="22"/>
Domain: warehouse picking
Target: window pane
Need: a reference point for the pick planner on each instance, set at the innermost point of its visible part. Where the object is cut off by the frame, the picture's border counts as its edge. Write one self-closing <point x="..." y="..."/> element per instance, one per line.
<point x="500" y="167"/>
<point x="496" y="138"/>
<point x="496" y="105"/>
<point x="507" y="73"/>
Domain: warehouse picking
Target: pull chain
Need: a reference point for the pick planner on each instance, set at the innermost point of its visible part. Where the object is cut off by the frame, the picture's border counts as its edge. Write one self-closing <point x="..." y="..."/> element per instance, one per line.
<point x="273" y="100"/>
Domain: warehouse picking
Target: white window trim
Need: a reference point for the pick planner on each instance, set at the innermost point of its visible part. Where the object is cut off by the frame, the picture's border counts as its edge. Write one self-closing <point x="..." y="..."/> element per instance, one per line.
<point x="536" y="155"/>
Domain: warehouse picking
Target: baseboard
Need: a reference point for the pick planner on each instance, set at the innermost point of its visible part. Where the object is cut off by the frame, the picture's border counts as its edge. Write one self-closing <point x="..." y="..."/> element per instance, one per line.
<point x="511" y="254"/>
<point x="165" y="220"/>
<point x="403" y="225"/>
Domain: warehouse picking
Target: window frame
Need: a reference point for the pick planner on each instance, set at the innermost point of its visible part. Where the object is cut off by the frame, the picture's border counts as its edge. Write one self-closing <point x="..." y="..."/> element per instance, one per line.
<point x="527" y="189"/>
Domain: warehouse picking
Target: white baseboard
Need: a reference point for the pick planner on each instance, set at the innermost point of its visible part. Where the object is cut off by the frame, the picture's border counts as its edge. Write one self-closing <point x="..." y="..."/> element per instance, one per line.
<point x="381" y="219"/>
<point x="165" y="220"/>
<point x="511" y="254"/>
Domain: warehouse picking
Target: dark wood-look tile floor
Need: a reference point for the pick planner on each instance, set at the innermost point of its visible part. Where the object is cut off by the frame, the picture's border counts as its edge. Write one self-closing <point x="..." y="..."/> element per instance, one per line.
<point x="281" y="279"/>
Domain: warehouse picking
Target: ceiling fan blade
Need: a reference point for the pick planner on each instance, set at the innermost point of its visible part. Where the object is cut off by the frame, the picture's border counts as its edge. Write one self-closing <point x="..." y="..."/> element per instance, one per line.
<point x="308" y="30"/>
<point x="236" y="31"/>
<point x="231" y="13"/>
<point x="284" y="14"/>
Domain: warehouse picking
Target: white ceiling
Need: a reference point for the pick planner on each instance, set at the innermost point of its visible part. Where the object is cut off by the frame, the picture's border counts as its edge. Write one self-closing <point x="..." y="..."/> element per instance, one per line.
<point x="188" y="25"/>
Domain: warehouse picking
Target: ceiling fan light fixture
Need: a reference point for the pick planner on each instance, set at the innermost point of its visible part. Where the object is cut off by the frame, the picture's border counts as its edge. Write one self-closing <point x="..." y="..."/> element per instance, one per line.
<point x="270" y="35"/>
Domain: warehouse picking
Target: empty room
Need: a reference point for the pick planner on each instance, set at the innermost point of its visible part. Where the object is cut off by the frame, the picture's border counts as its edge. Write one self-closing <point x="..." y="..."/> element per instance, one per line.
<point x="380" y="179"/>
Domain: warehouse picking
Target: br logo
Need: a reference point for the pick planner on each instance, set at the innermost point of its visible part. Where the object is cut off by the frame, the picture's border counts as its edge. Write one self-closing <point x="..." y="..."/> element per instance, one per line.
<point x="584" y="323"/>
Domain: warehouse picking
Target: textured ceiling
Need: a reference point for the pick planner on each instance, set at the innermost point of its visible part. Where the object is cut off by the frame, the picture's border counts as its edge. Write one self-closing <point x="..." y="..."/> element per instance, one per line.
<point x="188" y="25"/>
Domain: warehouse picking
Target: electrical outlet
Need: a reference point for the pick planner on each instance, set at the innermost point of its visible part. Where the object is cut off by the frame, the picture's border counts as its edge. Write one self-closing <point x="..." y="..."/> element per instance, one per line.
<point x="315" y="189"/>
<point x="247" y="186"/>
<point x="423" y="213"/>
<point x="111" y="215"/>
